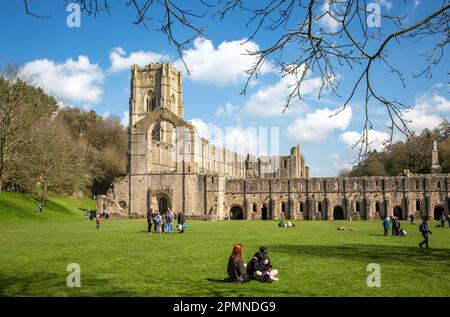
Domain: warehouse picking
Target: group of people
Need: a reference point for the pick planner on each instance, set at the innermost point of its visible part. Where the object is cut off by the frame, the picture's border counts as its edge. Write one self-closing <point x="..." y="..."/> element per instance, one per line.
<point x="288" y="224"/>
<point x="163" y="223"/>
<point x="396" y="226"/>
<point x="258" y="268"/>
<point x="423" y="228"/>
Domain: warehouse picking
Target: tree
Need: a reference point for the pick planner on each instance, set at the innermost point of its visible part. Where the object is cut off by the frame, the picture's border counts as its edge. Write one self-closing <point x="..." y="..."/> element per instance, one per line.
<point x="326" y="36"/>
<point x="20" y="106"/>
<point x="49" y="159"/>
<point x="413" y="155"/>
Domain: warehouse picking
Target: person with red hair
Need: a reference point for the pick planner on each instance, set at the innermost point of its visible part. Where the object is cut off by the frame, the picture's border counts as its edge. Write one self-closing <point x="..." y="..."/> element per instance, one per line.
<point x="236" y="267"/>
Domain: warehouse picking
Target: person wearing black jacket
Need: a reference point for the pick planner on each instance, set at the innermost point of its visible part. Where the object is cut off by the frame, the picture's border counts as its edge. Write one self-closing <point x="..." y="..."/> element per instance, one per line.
<point x="150" y="220"/>
<point x="423" y="228"/>
<point x="180" y="218"/>
<point x="253" y="266"/>
<point x="236" y="267"/>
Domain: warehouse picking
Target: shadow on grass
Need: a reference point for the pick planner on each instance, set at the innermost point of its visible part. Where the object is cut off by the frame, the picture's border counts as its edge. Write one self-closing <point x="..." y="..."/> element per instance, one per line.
<point x="406" y="255"/>
<point x="51" y="284"/>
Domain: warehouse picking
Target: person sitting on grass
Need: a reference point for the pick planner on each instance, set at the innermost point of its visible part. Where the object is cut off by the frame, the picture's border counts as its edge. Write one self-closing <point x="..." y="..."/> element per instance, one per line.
<point x="236" y="267"/>
<point x="256" y="266"/>
<point x="402" y="232"/>
<point x="266" y="269"/>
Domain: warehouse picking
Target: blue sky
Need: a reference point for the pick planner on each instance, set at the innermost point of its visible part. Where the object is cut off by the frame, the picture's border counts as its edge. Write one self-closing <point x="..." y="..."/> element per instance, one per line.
<point x="89" y="67"/>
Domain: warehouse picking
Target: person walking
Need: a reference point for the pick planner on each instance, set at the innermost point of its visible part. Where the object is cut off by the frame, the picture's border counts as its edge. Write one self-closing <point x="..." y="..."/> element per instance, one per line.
<point x="150" y="220"/>
<point x="424" y="230"/>
<point x="443" y="220"/>
<point x="386" y="226"/>
<point x="98" y="222"/>
<point x="448" y="219"/>
<point x="411" y="217"/>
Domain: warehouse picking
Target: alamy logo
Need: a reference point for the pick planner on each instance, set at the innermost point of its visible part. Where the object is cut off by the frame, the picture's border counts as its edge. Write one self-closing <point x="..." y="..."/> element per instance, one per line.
<point x="74" y="278"/>
<point x="374" y="278"/>
<point x="74" y="18"/>
<point x="373" y="15"/>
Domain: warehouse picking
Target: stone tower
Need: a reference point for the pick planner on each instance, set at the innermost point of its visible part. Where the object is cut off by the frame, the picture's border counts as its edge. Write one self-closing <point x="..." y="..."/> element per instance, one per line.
<point x="435" y="167"/>
<point x="157" y="85"/>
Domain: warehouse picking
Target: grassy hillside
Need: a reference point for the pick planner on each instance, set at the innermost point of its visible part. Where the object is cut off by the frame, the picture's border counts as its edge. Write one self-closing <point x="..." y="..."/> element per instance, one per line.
<point x="16" y="207"/>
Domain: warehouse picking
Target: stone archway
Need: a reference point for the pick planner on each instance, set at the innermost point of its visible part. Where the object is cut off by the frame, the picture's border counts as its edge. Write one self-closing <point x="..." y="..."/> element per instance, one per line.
<point x="163" y="202"/>
<point x="236" y="213"/>
<point x="264" y="213"/>
<point x="438" y="212"/>
<point x="338" y="213"/>
<point x="398" y="212"/>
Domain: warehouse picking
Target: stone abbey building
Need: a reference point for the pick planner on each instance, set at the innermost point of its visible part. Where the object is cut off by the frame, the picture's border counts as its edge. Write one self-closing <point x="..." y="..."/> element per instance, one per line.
<point x="170" y="166"/>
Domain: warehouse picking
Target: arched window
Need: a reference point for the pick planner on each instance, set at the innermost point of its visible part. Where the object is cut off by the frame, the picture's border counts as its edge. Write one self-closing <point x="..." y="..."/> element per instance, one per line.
<point x="151" y="101"/>
<point x="302" y="206"/>
<point x="417" y="184"/>
<point x="358" y="207"/>
<point x="319" y="207"/>
<point x="377" y="207"/>
<point x="283" y="207"/>
<point x="438" y="185"/>
<point x="254" y="207"/>
<point x="418" y="205"/>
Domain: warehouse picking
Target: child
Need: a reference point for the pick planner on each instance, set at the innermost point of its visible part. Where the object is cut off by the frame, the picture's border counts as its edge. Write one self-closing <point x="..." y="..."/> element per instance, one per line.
<point x="180" y="228"/>
<point x="158" y="222"/>
<point x="98" y="222"/>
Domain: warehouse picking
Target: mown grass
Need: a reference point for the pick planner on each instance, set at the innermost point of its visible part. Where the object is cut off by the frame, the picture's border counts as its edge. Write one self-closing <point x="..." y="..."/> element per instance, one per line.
<point x="22" y="208"/>
<point x="121" y="259"/>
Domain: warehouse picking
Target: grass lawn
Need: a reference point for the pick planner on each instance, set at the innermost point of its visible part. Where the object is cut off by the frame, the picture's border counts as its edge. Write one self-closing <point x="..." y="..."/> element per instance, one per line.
<point x="121" y="259"/>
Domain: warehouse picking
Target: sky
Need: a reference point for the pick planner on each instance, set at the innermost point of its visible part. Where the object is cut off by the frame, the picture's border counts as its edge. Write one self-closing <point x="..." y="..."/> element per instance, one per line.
<point x="89" y="67"/>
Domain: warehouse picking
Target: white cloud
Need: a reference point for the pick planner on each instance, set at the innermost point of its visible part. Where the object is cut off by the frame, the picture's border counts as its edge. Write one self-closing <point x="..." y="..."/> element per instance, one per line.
<point x="317" y="125"/>
<point x="387" y="4"/>
<point x="429" y="111"/>
<point x="270" y="100"/>
<point x="125" y="119"/>
<point x="237" y="139"/>
<point x="106" y="114"/>
<point x="327" y="22"/>
<point x="376" y="139"/>
<point x="226" y="110"/>
<point x="223" y="65"/>
<point x="73" y="81"/>
<point x="120" y="62"/>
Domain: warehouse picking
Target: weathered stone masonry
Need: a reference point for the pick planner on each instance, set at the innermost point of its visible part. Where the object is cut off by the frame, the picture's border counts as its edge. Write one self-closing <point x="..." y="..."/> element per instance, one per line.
<point x="171" y="166"/>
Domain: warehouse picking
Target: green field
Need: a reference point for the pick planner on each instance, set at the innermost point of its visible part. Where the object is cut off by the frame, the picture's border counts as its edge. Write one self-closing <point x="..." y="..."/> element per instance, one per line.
<point x="121" y="259"/>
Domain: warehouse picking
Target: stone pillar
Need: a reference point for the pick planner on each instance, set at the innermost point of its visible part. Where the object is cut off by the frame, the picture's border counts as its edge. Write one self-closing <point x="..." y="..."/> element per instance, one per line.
<point x="248" y="209"/>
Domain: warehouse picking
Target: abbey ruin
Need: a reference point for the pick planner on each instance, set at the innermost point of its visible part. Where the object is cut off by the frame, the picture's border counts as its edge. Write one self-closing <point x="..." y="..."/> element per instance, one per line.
<point x="170" y="166"/>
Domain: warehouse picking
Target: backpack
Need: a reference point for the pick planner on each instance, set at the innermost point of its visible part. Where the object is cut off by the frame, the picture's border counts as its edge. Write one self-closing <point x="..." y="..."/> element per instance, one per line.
<point x="158" y="219"/>
<point x="423" y="227"/>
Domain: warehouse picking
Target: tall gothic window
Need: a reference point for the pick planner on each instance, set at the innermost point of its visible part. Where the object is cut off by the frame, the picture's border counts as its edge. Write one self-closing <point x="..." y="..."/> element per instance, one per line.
<point x="151" y="101"/>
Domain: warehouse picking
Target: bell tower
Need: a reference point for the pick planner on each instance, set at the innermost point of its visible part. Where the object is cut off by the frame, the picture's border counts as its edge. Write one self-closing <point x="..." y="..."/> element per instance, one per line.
<point x="157" y="85"/>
